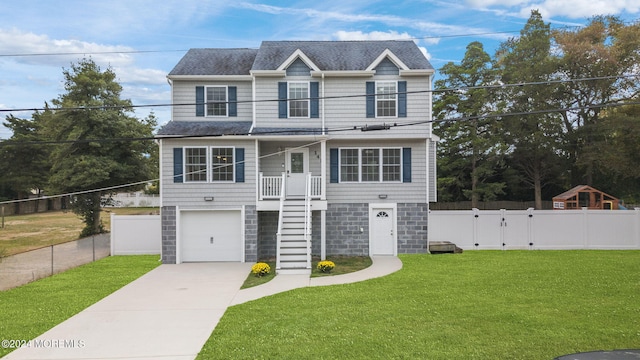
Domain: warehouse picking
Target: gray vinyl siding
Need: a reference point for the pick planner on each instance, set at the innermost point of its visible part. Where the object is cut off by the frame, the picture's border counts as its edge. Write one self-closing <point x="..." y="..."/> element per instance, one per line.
<point x="298" y="68"/>
<point x="267" y="107"/>
<point x="191" y="195"/>
<point x="272" y="165"/>
<point x="397" y="192"/>
<point x="184" y="92"/>
<point x="387" y="67"/>
<point x="344" y="111"/>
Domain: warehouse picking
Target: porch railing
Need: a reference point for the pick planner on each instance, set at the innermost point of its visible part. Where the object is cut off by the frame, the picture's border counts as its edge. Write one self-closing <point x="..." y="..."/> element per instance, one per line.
<point x="271" y="187"/>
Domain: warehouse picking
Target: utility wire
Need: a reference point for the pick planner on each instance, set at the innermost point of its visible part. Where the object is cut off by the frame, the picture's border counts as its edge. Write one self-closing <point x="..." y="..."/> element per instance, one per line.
<point x="108" y="188"/>
<point x="458" y="89"/>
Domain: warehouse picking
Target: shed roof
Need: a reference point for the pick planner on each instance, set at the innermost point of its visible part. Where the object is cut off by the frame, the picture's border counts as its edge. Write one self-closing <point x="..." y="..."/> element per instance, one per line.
<point x="575" y="190"/>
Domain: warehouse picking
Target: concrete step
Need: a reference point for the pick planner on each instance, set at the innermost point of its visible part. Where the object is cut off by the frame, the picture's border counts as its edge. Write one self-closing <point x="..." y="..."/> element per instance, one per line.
<point x="293" y="264"/>
<point x="301" y="271"/>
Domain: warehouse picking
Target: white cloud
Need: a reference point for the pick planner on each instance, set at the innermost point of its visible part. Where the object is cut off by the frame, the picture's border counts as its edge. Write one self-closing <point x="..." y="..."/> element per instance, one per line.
<point x="573" y="9"/>
<point x="30" y="48"/>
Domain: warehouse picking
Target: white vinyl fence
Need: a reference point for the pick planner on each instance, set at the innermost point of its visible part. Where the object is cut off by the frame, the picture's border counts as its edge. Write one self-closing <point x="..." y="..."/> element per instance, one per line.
<point x="537" y="229"/>
<point x="135" y="234"/>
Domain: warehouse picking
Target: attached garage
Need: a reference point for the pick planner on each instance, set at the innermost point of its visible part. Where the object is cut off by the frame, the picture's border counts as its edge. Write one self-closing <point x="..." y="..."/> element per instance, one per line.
<point x="211" y="235"/>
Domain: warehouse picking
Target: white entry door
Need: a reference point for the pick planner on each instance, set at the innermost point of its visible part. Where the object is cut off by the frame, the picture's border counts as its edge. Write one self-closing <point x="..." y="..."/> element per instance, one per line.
<point x="297" y="167"/>
<point x="382" y="231"/>
<point x="211" y="235"/>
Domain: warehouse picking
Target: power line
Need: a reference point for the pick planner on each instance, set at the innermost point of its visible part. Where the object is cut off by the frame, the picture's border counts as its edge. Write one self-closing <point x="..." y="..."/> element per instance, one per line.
<point x="91" y="53"/>
<point x="152" y="180"/>
<point x="463" y="88"/>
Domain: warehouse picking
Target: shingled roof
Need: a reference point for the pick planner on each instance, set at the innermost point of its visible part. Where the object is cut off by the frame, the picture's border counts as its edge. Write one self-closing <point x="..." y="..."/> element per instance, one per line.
<point x="327" y="55"/>
<point x="215" y="62"/>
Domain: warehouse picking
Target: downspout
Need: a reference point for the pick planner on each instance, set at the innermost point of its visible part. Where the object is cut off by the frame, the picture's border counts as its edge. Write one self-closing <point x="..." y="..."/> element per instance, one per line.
<point x="323" y="116"/>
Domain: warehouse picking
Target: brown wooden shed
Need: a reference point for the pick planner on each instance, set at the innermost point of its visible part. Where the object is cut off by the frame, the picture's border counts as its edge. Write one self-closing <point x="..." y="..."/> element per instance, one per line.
<point x="585" y="196"/>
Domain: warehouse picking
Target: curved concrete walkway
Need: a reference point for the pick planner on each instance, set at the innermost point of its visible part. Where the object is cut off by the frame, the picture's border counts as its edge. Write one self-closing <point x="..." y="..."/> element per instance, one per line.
<point x="170" y="312"/>
<point x="381" y="266"/>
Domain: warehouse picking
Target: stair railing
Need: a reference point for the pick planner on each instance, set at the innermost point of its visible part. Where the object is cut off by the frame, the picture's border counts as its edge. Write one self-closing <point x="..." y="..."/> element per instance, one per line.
<point x="280" y="220"/>
<point x="307" y="219"/>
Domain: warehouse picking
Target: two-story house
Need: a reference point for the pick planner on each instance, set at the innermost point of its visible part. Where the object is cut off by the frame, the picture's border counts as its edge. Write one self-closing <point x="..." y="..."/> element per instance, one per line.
<point x="298" y="148"/>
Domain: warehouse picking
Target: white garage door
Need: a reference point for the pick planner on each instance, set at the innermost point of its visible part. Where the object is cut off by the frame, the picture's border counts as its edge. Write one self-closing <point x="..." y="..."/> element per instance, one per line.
<point x="211" y="235"/>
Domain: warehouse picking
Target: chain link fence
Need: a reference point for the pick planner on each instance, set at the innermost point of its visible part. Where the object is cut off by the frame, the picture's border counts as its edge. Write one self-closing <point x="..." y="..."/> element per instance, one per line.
<point x="32" y="265"/>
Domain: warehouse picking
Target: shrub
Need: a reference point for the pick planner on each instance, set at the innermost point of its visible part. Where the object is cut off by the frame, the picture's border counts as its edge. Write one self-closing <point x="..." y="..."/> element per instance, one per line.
<point x="326" y="266"/>
<point x="260" y="269"/>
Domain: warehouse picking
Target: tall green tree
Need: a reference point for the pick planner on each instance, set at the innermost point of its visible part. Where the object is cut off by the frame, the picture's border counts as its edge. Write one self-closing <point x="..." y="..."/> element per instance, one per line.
<point x="25" y="166"/>
<point x="88" y="117"/>
<point x="606" y="52"/>
<point x="535" y="137"/>
<point x="471" y="147"/>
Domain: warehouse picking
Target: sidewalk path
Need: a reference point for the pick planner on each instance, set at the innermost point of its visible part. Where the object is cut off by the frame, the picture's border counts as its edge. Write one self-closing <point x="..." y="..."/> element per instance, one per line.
<point x="381" y="266"/>
<point x="170" y="312"/>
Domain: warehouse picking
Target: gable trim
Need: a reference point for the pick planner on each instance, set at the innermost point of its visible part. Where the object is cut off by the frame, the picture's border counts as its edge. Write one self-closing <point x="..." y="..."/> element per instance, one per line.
<point x="394" y="59"/>
<point x="298" y="54"/>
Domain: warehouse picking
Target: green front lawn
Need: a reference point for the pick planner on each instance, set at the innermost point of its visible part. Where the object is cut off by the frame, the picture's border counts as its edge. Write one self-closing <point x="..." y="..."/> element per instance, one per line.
<point x="28" y="311"/>
<point x="475" y="305"/>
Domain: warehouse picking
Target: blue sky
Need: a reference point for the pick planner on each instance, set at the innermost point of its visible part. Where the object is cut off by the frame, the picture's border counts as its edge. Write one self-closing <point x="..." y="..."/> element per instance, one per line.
<point x="110" y="31"/>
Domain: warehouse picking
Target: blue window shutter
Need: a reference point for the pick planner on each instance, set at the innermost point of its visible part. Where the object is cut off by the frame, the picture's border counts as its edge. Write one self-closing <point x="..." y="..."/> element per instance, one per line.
<point x="282" y="97"/>
<point x="333" y="165"/>
<point x="406" y="165"/>
<point x="199" y="100"/>
<point x="314" y="94"/>
<point x="371" y="99"/>
<point x="402" y="99"/>
<point x="233" y="98"/>
<point x="240" y="165"/>
<point x="177" y="165"/>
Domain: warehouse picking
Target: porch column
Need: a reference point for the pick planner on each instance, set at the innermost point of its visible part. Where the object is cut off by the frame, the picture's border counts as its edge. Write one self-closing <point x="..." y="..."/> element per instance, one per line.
<point x="323" y="169"/>
<point x="323" y="234"/>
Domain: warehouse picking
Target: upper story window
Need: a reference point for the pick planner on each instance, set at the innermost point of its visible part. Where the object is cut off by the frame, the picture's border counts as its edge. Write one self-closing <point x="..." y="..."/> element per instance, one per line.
<point x="195" y="164"/>
<point x="386" y="99"/>
<point x="216" y="101"/>
<point x="298" y="99"/>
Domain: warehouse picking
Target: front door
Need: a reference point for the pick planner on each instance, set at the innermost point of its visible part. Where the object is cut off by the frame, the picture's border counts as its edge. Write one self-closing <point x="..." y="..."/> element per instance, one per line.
<point x="297" y="167"/>
<point x="382" y="231"/>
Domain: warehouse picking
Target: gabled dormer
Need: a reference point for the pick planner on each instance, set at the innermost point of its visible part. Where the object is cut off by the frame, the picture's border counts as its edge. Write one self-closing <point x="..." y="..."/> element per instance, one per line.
<point x="298" y="64"/>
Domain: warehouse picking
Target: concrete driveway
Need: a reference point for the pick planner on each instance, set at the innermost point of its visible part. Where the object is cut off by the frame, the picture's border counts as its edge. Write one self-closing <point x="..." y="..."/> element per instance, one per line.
<point x="168" y="313"/>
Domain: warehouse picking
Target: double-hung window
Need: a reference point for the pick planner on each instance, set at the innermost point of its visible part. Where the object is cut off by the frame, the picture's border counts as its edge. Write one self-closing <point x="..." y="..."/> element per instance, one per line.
<point x="370" y="165"/>
<point x="195" y="164"/>
<point x="298" y="99"/>
<point x="217" y="101"/>
<point x="209" y="164"/>
<point x="222" y="164"/>
<point x="386" y="99"/>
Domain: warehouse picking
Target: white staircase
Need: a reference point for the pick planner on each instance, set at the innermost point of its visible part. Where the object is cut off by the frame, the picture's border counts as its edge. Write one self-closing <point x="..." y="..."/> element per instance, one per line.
<point x="294" y="237"/>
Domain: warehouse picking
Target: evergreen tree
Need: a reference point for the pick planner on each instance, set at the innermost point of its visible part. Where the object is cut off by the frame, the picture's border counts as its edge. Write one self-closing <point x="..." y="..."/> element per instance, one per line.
<point x="89" y="116"/>
<point x="535" y="137"/>
<point x="471" y="147"/>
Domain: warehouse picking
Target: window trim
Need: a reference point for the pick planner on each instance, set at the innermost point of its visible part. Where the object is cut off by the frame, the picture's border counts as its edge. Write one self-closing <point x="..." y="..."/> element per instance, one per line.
<point x="377" y="99"/>
<point x="226" y="102"/>
<point x="233" y="165"/>
<point x="381" y="165"/>
<point x="186" y="173"/>
<point x="306" y="99"/>
<point x="208" y="165"/>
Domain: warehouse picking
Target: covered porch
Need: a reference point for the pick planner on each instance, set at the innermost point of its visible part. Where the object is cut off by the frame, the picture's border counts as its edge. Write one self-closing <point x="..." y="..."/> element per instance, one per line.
<point x="291" y="170"/>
